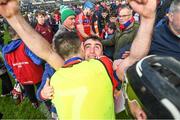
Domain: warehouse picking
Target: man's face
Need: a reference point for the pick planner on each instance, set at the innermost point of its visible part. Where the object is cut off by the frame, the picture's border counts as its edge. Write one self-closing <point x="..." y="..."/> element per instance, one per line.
<point x="117" y="2"/>
<point x="40" y="19"/>
<point x="113" y="19"/>
<point x="124" y="15"/>
<point x="174" y="21"/>
<point x="104" y="14"/>
<point x="70" y="22"/>
<point x="92" y="49"/>
<point x="89" y="12"/>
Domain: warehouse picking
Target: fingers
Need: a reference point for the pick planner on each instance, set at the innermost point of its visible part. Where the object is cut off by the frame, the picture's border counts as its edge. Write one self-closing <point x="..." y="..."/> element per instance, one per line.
<point x="126" y="54"/>
<point x="116" y="63"/>
<point x="120" y="67"/>
<point x="47" y="92"/>
<point x="50" y="93"/>
<point x="3" y="1"/>
<point x="47" y="82"/>
<point x="142" y="116"/>
<point x="117" y="93"/>
<point x="136" y="110"/>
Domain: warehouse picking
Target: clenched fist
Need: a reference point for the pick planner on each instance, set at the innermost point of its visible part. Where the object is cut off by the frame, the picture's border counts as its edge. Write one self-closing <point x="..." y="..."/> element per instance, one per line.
<point x="9" y="8"/>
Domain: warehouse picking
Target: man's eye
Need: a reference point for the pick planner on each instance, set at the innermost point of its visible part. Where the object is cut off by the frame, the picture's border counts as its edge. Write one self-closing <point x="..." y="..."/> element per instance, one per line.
<point x="87" y="46"/>
<point x="97" y="47"/>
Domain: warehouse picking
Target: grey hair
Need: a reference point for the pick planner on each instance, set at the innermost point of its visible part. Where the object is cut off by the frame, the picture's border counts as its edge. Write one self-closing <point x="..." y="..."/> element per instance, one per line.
<point x="175" y="6"/>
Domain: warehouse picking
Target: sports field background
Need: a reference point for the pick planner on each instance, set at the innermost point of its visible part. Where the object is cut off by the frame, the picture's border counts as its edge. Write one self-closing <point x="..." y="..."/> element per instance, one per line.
<point x="24" y="110"/>
<point x="10" y="110"/>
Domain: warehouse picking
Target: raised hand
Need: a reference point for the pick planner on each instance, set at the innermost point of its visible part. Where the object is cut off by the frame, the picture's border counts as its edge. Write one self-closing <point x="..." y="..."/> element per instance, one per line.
<point x="146" y="8"/>
<point x="8" y="8"/>
<point x="47" y="91"/>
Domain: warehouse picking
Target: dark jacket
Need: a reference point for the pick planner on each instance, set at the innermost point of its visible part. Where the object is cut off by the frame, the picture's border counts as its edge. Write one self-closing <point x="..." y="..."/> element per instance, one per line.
<point x="121" y="39"/>
<point x="165" y="42"/>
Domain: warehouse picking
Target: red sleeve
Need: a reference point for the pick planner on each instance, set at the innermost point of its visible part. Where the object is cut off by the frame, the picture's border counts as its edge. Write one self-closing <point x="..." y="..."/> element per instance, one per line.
<point x="108" y="65"/>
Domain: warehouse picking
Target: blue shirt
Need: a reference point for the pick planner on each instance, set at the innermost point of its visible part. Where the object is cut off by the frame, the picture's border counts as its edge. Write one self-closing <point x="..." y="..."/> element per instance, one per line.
<point x="165" y="42"/>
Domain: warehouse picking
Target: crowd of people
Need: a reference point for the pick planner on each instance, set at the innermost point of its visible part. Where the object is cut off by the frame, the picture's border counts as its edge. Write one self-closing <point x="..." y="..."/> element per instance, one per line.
<point x="78" y="55"/>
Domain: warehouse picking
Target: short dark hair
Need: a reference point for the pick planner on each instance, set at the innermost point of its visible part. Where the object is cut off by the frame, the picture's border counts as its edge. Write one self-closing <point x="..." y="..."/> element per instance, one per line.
<point x="67" y="43"/>
<point x="175" y="6"/>
<point x="104" y="10"/>
<point x="43" y="13"/>
<point x="93" y="37"/>
<point x="124" y="6"/>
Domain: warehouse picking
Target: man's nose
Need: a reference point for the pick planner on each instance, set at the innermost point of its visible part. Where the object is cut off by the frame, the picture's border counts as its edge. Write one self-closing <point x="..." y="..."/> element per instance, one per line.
<point x="92" y="50"/>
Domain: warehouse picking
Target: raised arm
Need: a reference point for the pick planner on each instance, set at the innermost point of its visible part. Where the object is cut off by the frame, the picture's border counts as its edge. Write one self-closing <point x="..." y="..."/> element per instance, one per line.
<point x="141" y="44"/>
<point x="9" y="9"/>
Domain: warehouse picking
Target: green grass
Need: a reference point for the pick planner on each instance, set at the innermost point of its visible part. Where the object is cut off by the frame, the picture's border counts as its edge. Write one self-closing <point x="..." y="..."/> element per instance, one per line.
<point x="6" y="36"/>
<point x="24" y="110"/>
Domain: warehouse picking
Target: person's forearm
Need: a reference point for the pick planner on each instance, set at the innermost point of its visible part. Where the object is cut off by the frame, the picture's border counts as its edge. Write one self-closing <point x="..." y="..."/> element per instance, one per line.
<point x="80" y="28"/>
<point x="35" y="42"/>
<point x="141" y="44"/>
<point x="84" y="35"/>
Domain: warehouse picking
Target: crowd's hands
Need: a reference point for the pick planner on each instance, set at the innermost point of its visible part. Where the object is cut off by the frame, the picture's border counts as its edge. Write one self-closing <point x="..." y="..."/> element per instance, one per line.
<point x="146" y="8"/>
<point x="120" y="67"/>
<point x="125" y="54"/>
<point x="136" y="110"/>
<point x="117" y="93"/>
<point x="47" y="91"/>
<point x="9" y="8"/>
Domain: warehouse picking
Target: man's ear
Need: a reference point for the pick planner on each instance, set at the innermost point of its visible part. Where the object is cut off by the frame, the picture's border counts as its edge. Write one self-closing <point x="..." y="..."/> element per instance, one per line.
<point x="170" y="17"/>
<point x="82" y="49"/>
<point x="82" y="46"/>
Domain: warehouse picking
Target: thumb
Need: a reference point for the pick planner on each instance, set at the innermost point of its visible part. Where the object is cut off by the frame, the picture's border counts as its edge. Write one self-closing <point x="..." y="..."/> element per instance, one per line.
<point x="47" y="82"/>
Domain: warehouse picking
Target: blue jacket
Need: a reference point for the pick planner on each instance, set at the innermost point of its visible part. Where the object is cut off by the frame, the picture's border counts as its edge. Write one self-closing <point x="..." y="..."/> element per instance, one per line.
<point x="12" y="47"/>
<point x="165" y="42"/>
<point x="48" y="72"/>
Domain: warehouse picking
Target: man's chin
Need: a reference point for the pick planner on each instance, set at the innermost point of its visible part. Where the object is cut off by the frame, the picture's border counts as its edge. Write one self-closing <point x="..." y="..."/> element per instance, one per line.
<point x="91" y="57"/>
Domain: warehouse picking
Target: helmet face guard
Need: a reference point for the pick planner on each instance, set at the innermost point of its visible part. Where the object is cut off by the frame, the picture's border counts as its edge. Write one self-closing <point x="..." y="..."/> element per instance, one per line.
<point x="155" y="81"/>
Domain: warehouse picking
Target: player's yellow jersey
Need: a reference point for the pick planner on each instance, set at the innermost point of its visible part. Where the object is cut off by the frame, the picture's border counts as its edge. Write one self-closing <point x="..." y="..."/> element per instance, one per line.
<point x="83" y="91"/>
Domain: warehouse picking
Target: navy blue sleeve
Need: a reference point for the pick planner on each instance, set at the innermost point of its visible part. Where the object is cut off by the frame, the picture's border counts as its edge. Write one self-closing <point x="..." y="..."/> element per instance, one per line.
<point x="48" y="72"/>
<point x="119" y="81"/>
<point x="123" y="50"/>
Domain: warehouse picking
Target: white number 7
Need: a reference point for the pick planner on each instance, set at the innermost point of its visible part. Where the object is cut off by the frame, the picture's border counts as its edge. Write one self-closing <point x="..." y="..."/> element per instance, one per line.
<point x="79" y="95"/>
